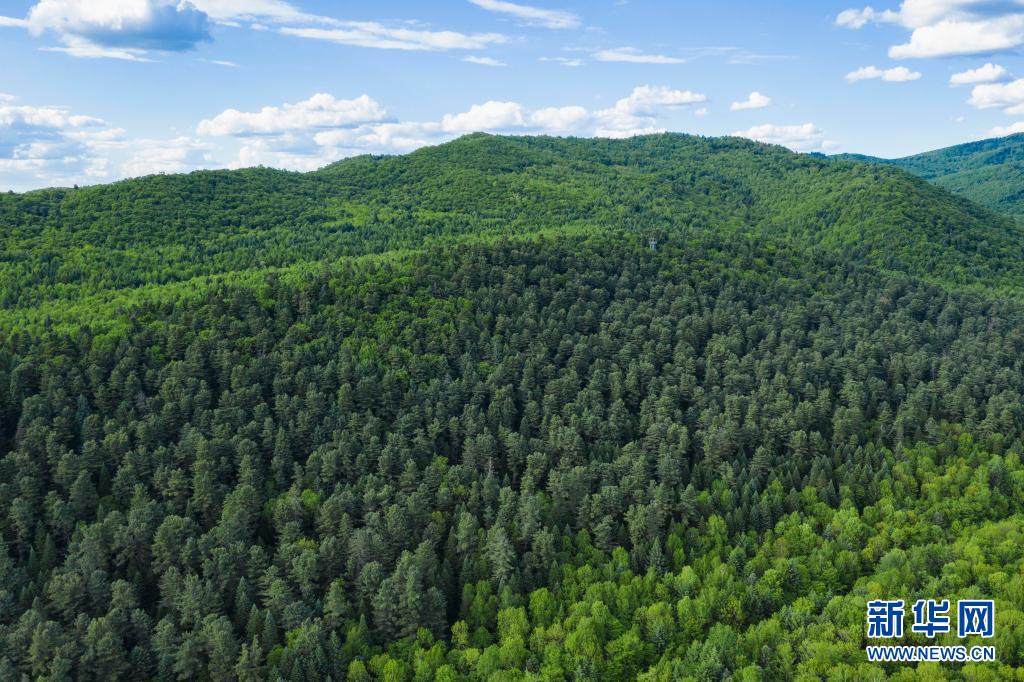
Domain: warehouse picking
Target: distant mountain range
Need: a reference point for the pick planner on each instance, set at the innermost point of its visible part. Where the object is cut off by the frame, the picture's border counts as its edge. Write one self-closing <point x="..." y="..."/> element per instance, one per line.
<point x="989" y="172"/>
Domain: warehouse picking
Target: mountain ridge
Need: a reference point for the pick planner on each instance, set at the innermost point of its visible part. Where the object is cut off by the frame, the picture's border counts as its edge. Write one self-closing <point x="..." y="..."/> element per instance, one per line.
<point x="989" y="172"/>
<point x="66" y="244"/>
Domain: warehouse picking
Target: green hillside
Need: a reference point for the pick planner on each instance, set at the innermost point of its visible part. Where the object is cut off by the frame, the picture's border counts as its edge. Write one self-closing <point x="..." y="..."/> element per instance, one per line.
<point x="446" y="416"/>
<point x="66" y="245"/>
<point x="988" y="172"/>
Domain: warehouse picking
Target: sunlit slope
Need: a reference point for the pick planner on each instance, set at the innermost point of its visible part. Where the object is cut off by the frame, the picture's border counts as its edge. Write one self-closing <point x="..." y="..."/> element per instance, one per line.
<point x="65" y="244"/>
<point x="989" y="172"/>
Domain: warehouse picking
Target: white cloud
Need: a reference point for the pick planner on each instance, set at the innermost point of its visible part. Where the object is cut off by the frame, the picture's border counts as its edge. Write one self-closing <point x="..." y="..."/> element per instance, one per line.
<point x="289" y="136"/>
<point x="122" y="29"/>
<point x="918" y="13"/>
<point x="232" y="11"/>
<point x="804" y="137"/>
<point x="167" y="156"/>
<point x="755" y="100"/>
<point x="46" y="145"/>
<point x="361" y="122"/>
<point x="703" y="111"/>
<point x="564" y="61"/>
<point x="548" y="18"/>
<point x="1013" y="128"/>
<point x="635" y="56"/>
<point x="487" y="116"/>
<point x="637" y="113"/>
<point x="1008" y="96"/>
<point x="372" y="34"/>
<point x="280" y="154"/>
<point x="953" y="37"/>
<point x="857" y="18"/>
<point x="319" y="111"/>
<point x="129" y="29"/>
<point x="316" y="131"/>
<point x="44" y="117"/>
<point x="483" y="61"/>
<point x="940" y="28"/>
<point x="983" y="74"/>
<point x="561" y="120"/>
<point x="42" y="146"/>
<point x="645" y="98"/>
<point x="220" y="62"/>
<point x="391" y="137"/>
<point x="88" y="50"/>
<point x="897" y="74"/>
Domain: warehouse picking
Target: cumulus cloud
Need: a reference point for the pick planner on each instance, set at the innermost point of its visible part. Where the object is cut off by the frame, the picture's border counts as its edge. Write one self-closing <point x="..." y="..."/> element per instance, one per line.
<point x="50" y="145"/>
<point x="941" y="28"/>
<point x="375" y="35"/>
<point x="857" y="18"/>
<point x="43" y="117"/>
<point x="897" y="74"/>
<point x="755" y="100"/>
<point x="483" y="61"/>
<point x="988" y="73"/>
<point x="46" y="145"/>
<point x="634" y="56"/>
<point x="487" y="116"/>
<point x="963" y="37"/>
<point x="1008" y="96"/>
<point x="319" y="111"/>
<point x="561" y="120"/>
<point x="645" y="98"/>
<point x="384" y="137"/>
<point x="279" y="154"/>
<point x="121" y="29"/>
<point x="637" y="114"/>
<point x="1012" y="129"/>
<point x="176" y="155"/>
<point x="323" y="129"/>
<point x="805" y="137"/>
<point x="537" y="16"/>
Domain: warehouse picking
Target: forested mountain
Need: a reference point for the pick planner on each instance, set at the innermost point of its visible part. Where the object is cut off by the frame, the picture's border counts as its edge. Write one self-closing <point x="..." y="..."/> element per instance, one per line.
<point x="67" y="245"/>
<point x="989" y="172"/>
<point x="448" y="417"/>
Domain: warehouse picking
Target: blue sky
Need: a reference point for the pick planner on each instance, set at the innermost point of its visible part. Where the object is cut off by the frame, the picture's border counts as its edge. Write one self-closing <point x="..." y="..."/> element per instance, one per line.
<point x="96" y="90"/>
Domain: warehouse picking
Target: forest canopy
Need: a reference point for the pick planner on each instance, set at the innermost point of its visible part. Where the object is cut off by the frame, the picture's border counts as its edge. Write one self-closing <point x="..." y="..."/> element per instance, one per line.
<point x="989" y="172"/>
<point x="448" y="416"/>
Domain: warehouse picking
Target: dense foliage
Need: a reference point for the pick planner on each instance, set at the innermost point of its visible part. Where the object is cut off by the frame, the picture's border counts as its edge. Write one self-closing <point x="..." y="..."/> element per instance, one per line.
<point x="72" y="250"/>
<point x="990" y="172"/>
<point x="447" y="417"/>
<point x="567" y="457"/>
